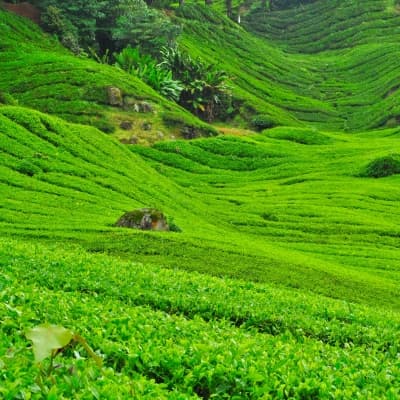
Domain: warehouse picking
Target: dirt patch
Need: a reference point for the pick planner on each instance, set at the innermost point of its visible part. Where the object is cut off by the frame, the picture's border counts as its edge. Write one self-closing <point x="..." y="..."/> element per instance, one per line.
<point x="24" y="9"/>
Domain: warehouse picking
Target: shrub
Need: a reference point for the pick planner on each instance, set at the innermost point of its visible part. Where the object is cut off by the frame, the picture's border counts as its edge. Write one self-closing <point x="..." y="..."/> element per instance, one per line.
<point x="104" y="125"/>
<point x="382" y="167"/>
<point x="262" y="121"/>
<point x="8" y="99"/>
<point x="205" y="90"/>
<point x="146" y="68"/>
<point x="27" y="168"/>
<point x="54" y="21"/>
<point x="173" y="227"/>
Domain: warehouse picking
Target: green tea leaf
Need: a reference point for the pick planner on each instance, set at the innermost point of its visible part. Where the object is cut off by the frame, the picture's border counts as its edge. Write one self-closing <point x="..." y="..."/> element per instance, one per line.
<point x="47" y="338"/>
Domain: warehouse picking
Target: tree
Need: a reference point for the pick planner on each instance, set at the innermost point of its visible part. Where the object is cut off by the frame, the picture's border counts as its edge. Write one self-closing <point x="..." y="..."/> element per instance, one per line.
<point x="108" y="24"/>
<point x="228" y="5"/>
<point x="82" y="14"/>
<point x="139" y="25"/>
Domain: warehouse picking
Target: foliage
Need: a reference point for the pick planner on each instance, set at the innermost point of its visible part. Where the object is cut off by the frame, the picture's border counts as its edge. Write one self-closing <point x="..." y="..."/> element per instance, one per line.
<point x="173" y="227"/>
<point x="8" y="99"/>
<point x="282" y="4"/>
<point x="261" y="121"/>
<point x="54" y="21"/>
<point x="73" y="88"/>
<point x="146" y="68"/>
<point x="26" y="167"/>
<point x="310" y="247"/>
<point x="108" y="24"/>
<point x="183" y="339"/>
<point x="73" y="20"/>
<point x="205" y="86"/>
<point x="48" y="339"/>
<point x="139" y="25"/>
<point x="382" y="167"/>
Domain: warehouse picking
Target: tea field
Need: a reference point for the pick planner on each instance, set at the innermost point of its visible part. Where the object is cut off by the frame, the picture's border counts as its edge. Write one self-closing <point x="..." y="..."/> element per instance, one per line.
<point x="301" y="241"/>
<point x="281" y="277"/>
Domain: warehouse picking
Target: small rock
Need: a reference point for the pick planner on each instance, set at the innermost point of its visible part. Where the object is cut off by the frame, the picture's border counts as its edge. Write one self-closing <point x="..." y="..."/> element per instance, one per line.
<point x="114" y="96"/>
<point x="130" y="103"/>
<point x="160" y="135"/>
<point x="145" y="107"/>
<point x="188" y="132"/>
<point x="133" y="140"/>
<point x="126" y="125"/>
<point x="146" y="126"/>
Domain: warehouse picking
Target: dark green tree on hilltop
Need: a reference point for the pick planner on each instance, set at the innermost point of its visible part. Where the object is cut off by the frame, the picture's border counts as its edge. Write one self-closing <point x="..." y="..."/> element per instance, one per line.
<point x="81" y="14"/>
<point x="111" y="24"/>
<point x="138" y="25"/>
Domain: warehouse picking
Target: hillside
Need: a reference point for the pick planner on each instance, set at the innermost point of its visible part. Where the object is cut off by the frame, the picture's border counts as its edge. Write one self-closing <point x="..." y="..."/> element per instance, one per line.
<point x="337" y="72"/>
<point x="300" y="77"/>
<point x="39" y="73"/>
<point x="230" y="197"/>
<point x="280" y="279"/>
<point x="220" y="192"/>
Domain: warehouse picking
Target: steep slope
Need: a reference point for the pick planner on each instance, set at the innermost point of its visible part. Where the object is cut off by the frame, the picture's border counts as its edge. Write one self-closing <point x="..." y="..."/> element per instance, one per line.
<point x="41" y="74"/>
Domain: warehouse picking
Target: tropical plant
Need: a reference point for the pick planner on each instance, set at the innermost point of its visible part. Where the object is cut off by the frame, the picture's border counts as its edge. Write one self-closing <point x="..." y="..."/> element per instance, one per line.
<point x="146" y="68"/>
<point x="205" y="86"/>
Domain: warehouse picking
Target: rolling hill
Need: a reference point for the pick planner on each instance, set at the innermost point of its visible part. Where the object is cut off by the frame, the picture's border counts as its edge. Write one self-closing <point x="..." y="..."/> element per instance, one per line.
<point x="281" y="279"/>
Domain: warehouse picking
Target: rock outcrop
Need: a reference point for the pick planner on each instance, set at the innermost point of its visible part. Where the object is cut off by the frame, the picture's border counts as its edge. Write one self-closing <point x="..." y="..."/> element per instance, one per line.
<point x="144" y="218"/>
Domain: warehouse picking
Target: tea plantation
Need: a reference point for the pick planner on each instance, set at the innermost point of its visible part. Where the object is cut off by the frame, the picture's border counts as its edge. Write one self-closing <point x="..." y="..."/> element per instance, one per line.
<point x="280" y="279"/>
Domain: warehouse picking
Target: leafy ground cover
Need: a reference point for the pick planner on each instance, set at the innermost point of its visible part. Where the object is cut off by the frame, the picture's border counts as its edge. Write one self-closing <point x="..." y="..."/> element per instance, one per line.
<point x="150" y="348"/>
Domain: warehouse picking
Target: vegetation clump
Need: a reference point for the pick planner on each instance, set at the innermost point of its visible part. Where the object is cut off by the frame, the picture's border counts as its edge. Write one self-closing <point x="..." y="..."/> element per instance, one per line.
<point x="27" y="168"/>
<point x="7" y="99"/>
<point x="382" y="167"/>
<point x="199" y="87"/>
<point x="262" y="121"/>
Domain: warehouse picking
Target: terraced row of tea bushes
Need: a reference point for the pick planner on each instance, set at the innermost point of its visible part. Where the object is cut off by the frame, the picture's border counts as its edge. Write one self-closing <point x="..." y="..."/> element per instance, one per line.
<point x="187" y="357"/>
<point x="71" y="169"/>
<point x="253" y="306"/>
<point x="263" y="208"/>
<point x="351" y="88"/>
<point x="320" y="25"/>
<point x="354" y="89"/>
<point x="299" y="197"/>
